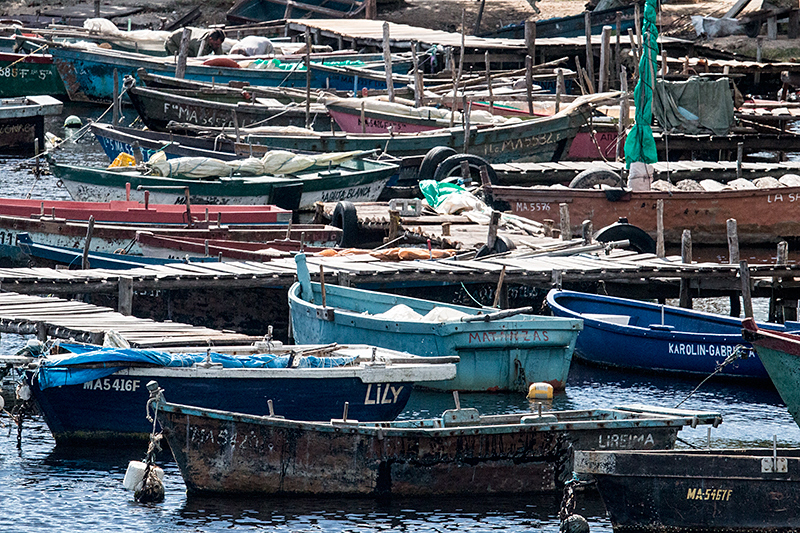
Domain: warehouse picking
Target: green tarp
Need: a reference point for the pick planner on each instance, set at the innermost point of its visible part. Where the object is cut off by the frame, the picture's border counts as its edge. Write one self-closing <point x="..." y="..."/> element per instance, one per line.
<point x="697" y="105"/>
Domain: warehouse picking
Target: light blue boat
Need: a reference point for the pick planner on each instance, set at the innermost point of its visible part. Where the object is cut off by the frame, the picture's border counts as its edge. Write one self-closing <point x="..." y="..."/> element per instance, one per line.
<point x="499" y="351"/>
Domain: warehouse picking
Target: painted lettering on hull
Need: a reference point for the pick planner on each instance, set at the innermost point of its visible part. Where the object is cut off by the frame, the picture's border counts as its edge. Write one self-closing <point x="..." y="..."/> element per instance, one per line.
<point x="520" y="335"/>
<point x="723" y="495"/>
<point x="382" y="394"/>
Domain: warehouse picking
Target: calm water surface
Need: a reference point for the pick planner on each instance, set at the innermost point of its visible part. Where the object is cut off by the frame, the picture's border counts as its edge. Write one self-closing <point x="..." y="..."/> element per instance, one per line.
<point x="43" y="488"/>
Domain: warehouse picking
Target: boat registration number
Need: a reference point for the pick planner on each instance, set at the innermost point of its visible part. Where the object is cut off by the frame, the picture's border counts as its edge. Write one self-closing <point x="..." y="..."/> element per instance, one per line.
<point x="115" y="384"/>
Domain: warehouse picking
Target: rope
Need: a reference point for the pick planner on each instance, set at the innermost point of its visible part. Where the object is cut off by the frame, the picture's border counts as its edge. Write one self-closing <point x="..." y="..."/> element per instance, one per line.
<point x="23" y="58"/>
<point x="470" y="296"/>
<point x="740" y="352"/>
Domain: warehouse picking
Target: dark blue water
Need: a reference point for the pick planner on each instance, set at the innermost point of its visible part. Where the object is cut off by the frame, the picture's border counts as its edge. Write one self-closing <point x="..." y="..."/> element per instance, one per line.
<point x="43" y="488"/>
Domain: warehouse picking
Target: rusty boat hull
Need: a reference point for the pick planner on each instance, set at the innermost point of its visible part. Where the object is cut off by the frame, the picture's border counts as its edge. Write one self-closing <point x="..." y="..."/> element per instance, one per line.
<point x="762" y="215"/>
<point x="460" y="453"/>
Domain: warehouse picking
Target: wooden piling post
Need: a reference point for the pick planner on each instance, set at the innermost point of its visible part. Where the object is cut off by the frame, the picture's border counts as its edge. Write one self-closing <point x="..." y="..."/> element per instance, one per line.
<point x="548" y="224"/>
<point x="618" y="45"/>
<point x="566" y="228"/>
<point x="529" y="82"/>
<point x="660" y="228"/>
<point x="605" y="59"/>
<point x="747" y="300"/>
<point x="387" y="61"/>
<point x="733" y="242"/>
<point x="394" y="224"/>
<point x="739" y="157"/>
<point x="560" y="88"/>
<point x="465" y="171"/>
<point x="308" y="77"/>
<point x="494" y="222"/>
<point x="125" y="295"/>
<point x="759" y="52"/>
<point x="87" y="243"/>
<point x="587" y="21"/>
<point x="777" y="308"/>
<point x="489" y="79"/>
<point x="418" y="89"/>
<point x="624" y="113"/>
<point x="530" y="37"/>
<point x="180" y="64"/>
<point x="586" y="231"/>
<point x="499" y="287"/>
<point x="117" y="111"/>
<point x="686" y="257"/>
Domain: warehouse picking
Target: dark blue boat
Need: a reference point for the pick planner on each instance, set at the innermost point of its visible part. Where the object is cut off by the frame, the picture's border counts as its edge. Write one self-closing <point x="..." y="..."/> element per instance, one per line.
<point x="99" y="395"/>
<point x="648" y="337"/>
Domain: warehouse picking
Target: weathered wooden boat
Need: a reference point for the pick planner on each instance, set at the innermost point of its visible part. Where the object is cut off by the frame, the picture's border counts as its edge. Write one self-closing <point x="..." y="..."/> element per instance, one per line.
<point x="354" y="179"/>
<point x="538" y="139"/>
<point x="73" y="258"/>
<point x="380" y="116"/>
<point x="572" y="26"/>
<point x="159" y="107"/>
<point x="111" y="237"/>
<point x="29" y="75"/>
<point x="97" y="393"/>
<point x="647" y="337"/>
<point x="762" y="215"/>
<point x="736" y="490"/>
<point x="254" y="11"/>
<point x="505" y="350"/>
<point x="146" y="214"/>
<point x="177" y="247"/>
<point x="780" y="354"/>
<point x="88" y="75"/>
<point x="461" y="452"/>
<point x="22" y="122"/>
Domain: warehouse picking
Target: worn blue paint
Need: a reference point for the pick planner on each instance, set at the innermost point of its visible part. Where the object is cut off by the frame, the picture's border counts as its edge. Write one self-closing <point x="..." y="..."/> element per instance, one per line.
<point x="683" y="341"/>
<point x="506" y="354"/>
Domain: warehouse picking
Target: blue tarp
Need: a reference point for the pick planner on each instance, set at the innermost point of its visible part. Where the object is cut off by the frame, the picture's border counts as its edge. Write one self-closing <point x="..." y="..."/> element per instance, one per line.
<point x="59" y="370"/>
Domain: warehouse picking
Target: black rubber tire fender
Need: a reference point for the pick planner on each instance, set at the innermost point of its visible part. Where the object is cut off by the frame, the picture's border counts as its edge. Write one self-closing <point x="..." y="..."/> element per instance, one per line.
<point x="431" y="160"/>
<point x="345" y="217"/>
<point x="445" y="170"/>
<point x="638" y="238"/>
<point x="596" y="176"/>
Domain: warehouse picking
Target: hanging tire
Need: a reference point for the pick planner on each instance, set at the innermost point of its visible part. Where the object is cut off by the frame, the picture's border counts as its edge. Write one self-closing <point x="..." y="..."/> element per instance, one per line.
<point x="450" y="168"/>
<point x="596" y="176"/>
<point x="431" y="161"/>
<point x="638" y="238"/>
<point x="346" y="218"/>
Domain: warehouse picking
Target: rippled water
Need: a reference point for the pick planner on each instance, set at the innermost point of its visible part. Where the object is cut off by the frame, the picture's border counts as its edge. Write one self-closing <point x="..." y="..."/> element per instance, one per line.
<point x="47" y="489"/>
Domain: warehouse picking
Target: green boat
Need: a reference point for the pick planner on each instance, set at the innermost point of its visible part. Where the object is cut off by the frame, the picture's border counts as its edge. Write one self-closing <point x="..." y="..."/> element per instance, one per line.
<point x="346" y="177"/>
<point x="29" y="75"/>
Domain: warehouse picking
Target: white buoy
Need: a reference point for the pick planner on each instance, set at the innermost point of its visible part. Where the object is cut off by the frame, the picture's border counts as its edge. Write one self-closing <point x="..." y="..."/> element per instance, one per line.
<point x="134" y="476"/>
<point x="2" y="403"/>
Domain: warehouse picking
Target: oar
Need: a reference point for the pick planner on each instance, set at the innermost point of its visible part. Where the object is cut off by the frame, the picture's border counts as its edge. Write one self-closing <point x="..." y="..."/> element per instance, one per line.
<point x="498" y="315"/>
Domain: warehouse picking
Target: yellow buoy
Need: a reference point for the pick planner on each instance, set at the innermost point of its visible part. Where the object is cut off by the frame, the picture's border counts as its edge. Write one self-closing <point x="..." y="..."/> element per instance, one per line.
<point x="540" y="391"/>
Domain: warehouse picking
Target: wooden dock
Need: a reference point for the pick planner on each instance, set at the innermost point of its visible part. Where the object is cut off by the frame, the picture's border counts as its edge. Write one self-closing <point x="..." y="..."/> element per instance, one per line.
<point x="50" y="317"/>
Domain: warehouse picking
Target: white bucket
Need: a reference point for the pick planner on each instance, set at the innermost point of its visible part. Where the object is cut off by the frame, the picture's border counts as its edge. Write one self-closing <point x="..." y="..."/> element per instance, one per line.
<point x="134" y="476"/>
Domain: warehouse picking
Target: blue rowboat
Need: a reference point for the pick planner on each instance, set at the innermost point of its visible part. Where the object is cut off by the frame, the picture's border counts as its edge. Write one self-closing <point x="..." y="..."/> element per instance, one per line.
<point x="648" y="337"/>
<point x="498" y="350"/>
<point x="98" y="394"/>
<point x="88" y="75"/>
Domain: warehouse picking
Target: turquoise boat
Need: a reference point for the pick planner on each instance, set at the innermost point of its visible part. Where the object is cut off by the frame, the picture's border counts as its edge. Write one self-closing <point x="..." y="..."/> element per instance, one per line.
<point x="499" y="351"/>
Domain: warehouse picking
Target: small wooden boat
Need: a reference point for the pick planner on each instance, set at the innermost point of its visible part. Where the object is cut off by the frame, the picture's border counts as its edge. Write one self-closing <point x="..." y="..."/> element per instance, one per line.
<point x="780" y="353"/>
<point x="112" y="237"/>
<point x="647" y="337"/>
<point x="736" y="490"/>
<point x="355" y="179"/>
<point x="73" y="63"/>
<point x="96" y="394"/>
<point x="73" y="258"/>
<point x="762" y="215"/>
<point x="147" y="214"/>
<point x="499" y="350"/>
<point x="29" y="75"/>
<point x="177" y="247"/>
<point x="537" y="139"/>
<point x="159" y="107"/>
<point x="572" y="26"/>
<point x="255" y="11"/>
<point x="460" y="453"/>
<point x="22" y="122"/>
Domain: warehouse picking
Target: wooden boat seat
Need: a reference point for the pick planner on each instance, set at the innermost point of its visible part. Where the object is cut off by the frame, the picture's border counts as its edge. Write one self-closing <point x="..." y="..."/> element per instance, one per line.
<point x="461" y="417"/>
<point x="622" y="320"/>
<point x="539" y="419"/>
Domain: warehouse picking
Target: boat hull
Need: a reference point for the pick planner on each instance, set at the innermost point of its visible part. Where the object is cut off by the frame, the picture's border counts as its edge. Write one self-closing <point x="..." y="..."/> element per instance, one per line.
<point x="632" y="335"/>
<point x="507" y="354"/>
<point x="27" y="75"/>
<point x="697" y="491"/>
<point x="22" y="123"/>
<point x="112" y="408"/>
<point x="762" y="215"/>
